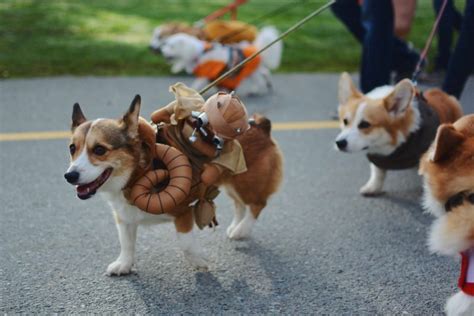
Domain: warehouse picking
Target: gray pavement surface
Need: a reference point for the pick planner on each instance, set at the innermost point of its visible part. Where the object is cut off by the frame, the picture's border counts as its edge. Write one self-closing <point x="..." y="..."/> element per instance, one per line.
<point x="318" y="248"/>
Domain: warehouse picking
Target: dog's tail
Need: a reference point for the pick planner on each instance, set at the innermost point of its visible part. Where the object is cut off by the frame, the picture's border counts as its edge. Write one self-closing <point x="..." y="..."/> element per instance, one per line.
<point x="271" y="57"/>
<point x="261" y="122"/>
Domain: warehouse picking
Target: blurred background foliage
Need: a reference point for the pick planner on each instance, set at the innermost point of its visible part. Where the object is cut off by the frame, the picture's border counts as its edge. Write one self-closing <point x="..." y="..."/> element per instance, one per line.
<point x="110" y="37"/>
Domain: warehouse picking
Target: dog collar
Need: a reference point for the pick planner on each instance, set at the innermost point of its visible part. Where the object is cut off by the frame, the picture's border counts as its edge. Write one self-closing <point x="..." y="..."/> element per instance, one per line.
<point x="466" y="278"/>
<point x="458" y="199"/>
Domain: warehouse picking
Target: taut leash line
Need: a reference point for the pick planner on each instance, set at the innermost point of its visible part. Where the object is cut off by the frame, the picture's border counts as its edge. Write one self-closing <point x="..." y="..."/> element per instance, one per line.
<point x="279" y="38"/>
<point x="423" y="54"/>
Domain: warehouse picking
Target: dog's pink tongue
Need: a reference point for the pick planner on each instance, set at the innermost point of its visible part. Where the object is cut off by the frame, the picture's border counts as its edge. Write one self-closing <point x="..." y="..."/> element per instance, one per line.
<point x="84" y="191"/>
<point x="84" y="188"/>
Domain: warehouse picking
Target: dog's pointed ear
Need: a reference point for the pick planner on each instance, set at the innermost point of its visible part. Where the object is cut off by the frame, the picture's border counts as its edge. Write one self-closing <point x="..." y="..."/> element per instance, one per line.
<point x="447" y="139"/>
<point x="77" y="116"/>
<point x="398" y="101"/>
<point x="131" y="117"/>
<point x="347" y="89"/>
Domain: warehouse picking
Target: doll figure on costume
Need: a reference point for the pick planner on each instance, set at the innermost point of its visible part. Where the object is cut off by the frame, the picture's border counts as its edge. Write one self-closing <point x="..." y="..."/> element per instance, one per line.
<point x="211" y="127"/>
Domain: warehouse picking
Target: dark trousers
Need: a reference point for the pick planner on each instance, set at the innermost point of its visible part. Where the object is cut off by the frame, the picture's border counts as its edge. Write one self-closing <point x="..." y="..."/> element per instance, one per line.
<point x="372" y="26"/>
<point x="461" y="63"/>
<point x="450" y="21"/>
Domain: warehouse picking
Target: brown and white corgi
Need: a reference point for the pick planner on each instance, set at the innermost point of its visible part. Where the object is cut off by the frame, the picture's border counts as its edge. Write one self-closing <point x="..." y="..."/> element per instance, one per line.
<point x="448" y="172"/>
<point x="109" y="155"/>
<point x="207" y="61"/>
<point x="392" y="123"/>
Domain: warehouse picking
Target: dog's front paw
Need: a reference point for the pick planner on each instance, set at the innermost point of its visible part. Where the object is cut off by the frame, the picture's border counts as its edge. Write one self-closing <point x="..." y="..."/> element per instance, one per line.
<point x="371" y="190"/>
<point x="230" y="229"/>
<point x="196" y="259"/>
<point x="119" y="267"/>
<point x="460" y="304"/>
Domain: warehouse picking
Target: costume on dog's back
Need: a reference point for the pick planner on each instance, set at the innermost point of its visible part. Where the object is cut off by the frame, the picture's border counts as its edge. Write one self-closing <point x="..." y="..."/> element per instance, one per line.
<point x="217" y="59"/>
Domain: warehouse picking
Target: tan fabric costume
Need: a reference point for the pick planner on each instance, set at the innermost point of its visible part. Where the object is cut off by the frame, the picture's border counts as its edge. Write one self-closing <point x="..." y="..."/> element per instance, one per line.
<point x="227" y="119"/>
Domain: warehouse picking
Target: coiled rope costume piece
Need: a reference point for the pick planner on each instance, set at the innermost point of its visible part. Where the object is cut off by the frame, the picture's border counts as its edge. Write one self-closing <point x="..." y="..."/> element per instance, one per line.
<point x="178" y="175"/>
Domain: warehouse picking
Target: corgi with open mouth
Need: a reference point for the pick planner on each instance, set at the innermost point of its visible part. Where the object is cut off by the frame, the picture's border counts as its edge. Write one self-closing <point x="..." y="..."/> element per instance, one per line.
<point x="108" y="156"/>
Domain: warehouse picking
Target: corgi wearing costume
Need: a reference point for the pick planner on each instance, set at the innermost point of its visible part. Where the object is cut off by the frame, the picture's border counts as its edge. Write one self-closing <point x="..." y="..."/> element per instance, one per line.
<point x="207" y="61"/>
<point x="448" y="172"/>
<point x="395" y="125"/>
<point x="122" y="160"/>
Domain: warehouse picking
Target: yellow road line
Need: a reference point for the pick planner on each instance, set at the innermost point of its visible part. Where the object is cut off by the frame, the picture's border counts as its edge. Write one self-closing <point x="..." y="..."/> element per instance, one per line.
<point x="5" y="137"/>
<point x="282" y="126"/>
<point x="290" y="126"/>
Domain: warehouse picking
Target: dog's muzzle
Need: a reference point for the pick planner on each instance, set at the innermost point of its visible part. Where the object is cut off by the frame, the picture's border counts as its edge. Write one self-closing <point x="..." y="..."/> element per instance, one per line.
<point x="72" y="177"/>
<point x="341" y="144"/>
<point x="156" y="50"/>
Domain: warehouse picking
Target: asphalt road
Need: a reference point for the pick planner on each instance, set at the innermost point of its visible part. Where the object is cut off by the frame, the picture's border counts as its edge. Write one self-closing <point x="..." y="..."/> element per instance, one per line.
<point x="318" y="248"/>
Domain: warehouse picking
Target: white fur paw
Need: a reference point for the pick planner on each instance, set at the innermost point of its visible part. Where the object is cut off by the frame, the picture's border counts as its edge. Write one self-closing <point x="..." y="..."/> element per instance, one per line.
<point x="242" y="230"/>
<point x="230" y="229"/>
<point x="119" y="267"/>
<point x="460" y="304"/>
<point x="371" y="190"/>
<point x="196" y="259"/>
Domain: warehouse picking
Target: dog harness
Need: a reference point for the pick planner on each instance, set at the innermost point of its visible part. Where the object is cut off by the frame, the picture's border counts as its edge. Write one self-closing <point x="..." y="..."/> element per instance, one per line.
<point x="217" y="59"/>
<point x="466" y="278"/>
<point x="409" y="153"/>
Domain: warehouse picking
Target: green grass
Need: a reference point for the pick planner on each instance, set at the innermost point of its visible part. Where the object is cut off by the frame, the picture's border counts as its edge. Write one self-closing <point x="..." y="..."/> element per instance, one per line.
<point x="110" y="37"/>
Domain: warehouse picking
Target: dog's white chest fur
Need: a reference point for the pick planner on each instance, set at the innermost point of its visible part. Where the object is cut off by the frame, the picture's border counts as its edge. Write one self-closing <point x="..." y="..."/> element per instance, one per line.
<point x="131" y="214"/>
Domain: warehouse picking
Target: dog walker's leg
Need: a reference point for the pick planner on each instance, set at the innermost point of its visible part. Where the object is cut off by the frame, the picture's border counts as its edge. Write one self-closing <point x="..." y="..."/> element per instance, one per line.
<point x="244" y="228"/>
<point x="239" y="213"/>
<point x="375" y="183"/>
<point x="460" y="304"/>
<point x="193" y="253"/>
<point x="127" y="236"/>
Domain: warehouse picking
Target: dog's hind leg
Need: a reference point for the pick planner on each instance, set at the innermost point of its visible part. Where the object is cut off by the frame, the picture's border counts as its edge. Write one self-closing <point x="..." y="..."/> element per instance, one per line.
<point x="127" y="237"/>
<point x="244" y="228"/>
<point x="239" y="213"/>
<point x="184" y="227"/>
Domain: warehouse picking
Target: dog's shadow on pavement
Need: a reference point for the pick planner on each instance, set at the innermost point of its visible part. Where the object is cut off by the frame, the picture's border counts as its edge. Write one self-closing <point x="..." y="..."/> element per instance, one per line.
<point x="411" y="201"/>
<point x="212" y="293"/>
<point x="242" y="296"/>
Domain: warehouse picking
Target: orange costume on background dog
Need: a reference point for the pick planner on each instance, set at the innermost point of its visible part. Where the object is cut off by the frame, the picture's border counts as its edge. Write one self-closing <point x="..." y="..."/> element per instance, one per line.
<point x="214" y="62"/>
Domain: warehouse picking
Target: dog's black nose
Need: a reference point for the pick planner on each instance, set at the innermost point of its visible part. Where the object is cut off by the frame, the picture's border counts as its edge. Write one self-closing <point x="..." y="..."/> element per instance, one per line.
<point x="341" y="144"/>
<point x="72" y="177"/>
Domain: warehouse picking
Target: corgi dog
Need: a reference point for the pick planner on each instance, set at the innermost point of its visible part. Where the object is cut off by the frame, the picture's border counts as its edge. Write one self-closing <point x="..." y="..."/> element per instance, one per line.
<point x="448" y="173"/>
<point x="109" y="155"/>
<point x="207" y="61"/>
<point x="392" y="123"/>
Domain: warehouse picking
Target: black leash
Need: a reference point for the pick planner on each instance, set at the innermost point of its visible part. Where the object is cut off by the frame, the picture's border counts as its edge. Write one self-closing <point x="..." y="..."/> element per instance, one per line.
<point x="424" y="53"/>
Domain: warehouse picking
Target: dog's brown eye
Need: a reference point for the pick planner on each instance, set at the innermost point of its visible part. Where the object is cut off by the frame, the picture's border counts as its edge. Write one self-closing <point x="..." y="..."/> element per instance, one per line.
<point x="72" y="149"/>
<point x="99" y="150"/>
<point x="363" y="124"/>
<point x="345" y="121"/>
